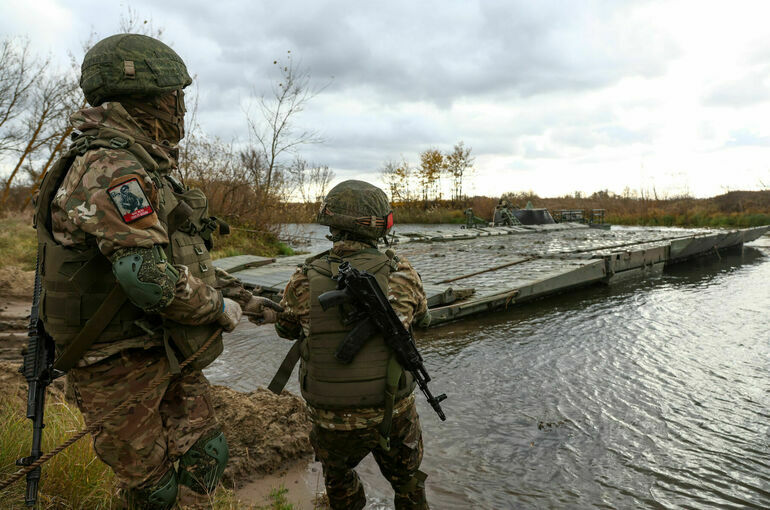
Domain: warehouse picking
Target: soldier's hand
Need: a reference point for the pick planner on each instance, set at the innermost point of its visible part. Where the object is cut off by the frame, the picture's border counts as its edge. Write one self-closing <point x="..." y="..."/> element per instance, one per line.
<point x="231" y="314"/>
<point x="261" y="310"/>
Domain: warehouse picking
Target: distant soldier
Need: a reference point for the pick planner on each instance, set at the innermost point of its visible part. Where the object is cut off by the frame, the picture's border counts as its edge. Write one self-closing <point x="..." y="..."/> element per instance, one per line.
<point x="129" y="290"/>
<point x="348" y="403"/>
<point x="469" y="218"/>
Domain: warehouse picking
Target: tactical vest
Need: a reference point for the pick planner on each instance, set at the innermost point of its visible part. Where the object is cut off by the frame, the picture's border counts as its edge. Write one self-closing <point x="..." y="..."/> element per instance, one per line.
<point x="76" y="280"/>
<point x="325" y="382"/>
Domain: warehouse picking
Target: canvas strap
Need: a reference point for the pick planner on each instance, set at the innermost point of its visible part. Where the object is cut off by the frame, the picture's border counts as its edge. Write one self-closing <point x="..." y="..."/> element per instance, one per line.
<point x="92" y="329"/>
<point x="393" y="376"/>
<point x="281" y="377"/>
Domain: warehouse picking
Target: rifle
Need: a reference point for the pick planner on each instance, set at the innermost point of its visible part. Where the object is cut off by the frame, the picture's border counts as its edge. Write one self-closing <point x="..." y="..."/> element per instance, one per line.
<point x="39" y="372"/>
<point x="372" y="314"/>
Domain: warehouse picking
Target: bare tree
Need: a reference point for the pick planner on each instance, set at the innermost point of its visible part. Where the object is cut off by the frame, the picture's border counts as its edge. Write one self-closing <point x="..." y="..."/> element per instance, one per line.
<point x="429" y="173"/>
<point x="132" y="23"/>
<point x="62" y="93"/>
<point x="458" y="163"/>
<point x="19" y="71"/>
<point x="390" y="177"/>
<point x="310" y="182"/>
<point x="35" y="103"/>
<point x="272" y="131"/>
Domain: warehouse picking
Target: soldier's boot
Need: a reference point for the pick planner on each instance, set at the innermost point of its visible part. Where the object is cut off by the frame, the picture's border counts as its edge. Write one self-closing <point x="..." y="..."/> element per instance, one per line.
<point x="201" y="468"/>
<point x="160" y="496"/>
<point x="344" y="490"/>
<point x="411" y="495"/>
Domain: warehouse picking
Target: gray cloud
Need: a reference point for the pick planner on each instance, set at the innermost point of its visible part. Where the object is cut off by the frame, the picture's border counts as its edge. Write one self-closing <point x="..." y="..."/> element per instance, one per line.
<point x="746" y="90"/>
<point x="556" y="79"/>
<point x="424" y="51"/>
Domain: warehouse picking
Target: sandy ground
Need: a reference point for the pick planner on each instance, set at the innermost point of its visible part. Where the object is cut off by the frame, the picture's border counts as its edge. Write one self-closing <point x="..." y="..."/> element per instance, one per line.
<point x="14" y="319"/>
<point x="303" y="479"/>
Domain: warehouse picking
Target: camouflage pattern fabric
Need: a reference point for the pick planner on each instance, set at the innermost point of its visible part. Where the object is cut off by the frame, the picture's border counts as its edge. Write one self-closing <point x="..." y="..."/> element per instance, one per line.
<point x="231" y="287"/>
<point x="358" y="208"/>
<point x="405" y="294"/>
<point x="361" y="418"/>
<point x="341" y="451"/>
<point x="82" y="208"/>
<point x="170" y="105"/>
<point x="141" y="445"/>
<point x="82" y="205"/>
<point x="131" y="65"/>
<point x="194" y="302"/>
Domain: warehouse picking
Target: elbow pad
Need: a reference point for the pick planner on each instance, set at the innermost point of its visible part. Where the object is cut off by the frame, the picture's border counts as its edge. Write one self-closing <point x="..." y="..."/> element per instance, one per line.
<point x="147" y="278"/>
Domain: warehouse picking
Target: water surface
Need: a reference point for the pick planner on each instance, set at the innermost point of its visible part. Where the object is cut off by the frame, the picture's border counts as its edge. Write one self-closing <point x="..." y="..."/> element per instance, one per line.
<point x="652" y="394"/>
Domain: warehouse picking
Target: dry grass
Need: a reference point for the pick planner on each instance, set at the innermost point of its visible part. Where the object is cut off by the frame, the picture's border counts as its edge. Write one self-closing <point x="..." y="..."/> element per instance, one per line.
<point x="734" y="209"/>
<point x="245" y="241"/>
<point x="76" y="478"/>
<point x="18" y="242"/>
<point x="72" y="480"/>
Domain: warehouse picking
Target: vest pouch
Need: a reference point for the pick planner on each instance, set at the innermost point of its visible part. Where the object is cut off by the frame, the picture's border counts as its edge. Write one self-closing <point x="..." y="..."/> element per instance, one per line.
<point x="188" y="339"/>
<point x="197" y="201"/>
<point x="188" y="245"/>
<point x="199" y="224"/>
<point x="191" y="251"/>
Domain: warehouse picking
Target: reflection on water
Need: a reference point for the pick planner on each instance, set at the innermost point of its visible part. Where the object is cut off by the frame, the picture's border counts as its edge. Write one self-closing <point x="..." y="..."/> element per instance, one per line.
<point x="646" y="395"/>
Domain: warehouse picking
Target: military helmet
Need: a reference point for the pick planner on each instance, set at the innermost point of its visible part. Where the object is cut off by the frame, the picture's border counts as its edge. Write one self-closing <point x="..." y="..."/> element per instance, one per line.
<point x="357" y="207"/>
<point x="131" y="65"/>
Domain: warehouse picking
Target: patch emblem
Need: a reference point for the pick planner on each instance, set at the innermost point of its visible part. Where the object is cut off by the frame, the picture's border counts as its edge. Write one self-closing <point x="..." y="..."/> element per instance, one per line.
<point x="130" y="200"/>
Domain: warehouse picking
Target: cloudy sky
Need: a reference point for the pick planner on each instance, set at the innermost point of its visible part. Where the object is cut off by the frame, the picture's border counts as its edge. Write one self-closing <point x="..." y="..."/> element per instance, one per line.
<point x="553" y="96"/>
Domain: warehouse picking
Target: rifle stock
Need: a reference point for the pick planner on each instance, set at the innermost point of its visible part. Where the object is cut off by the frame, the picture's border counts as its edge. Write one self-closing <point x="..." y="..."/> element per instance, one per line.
<point x="333" y="298"/>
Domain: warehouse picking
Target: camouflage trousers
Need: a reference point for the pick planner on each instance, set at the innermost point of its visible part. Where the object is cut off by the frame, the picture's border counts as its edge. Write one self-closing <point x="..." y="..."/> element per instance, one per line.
<point x="141" y="444"/>
<point x="339" y="451"/>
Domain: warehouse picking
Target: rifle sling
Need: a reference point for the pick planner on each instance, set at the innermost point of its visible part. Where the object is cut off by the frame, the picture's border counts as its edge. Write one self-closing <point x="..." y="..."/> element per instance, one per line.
<point x="394" y="374"/>
<point x="92" y="329"/>
<point x="281" y="377"/>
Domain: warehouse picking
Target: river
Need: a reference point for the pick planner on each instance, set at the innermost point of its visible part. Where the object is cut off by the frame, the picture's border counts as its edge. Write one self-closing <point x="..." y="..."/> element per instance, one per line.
<point x="649" y="394"/>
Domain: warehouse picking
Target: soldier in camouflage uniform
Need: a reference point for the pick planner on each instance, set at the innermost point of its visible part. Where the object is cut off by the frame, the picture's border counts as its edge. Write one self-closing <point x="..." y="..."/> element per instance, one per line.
<point x="128" y="283"/>
<point x="347" y="403"/>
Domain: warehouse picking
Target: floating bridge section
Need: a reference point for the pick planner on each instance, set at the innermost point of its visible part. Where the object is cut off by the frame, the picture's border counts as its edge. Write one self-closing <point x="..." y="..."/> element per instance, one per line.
<point x="472" y="271"/>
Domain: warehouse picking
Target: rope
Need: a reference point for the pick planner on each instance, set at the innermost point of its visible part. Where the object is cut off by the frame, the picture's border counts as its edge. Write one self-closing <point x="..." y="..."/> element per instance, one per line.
<point x="98" y="423"/>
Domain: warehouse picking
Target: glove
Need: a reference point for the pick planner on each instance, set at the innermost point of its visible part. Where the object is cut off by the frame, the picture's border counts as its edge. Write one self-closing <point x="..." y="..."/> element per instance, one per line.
<point x="262" y="310"/>
<point x="231" y="314"/>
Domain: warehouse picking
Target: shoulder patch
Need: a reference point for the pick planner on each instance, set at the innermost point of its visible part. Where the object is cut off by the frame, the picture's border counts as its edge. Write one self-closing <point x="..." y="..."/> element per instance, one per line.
<point x="130" y="199"/>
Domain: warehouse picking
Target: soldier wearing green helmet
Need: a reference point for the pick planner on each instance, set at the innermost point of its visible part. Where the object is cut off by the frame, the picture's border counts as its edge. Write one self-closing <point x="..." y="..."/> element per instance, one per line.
<point x="129" y="290"/>
<point x="349" y="403"/>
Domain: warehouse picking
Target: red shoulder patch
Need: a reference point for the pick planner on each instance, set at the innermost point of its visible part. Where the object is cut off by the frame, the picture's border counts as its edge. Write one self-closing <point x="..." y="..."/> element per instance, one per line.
<point x="130" y="199"/>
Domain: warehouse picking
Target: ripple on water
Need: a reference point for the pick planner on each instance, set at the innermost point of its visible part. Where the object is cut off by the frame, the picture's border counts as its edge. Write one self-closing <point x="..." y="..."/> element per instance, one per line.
<point x="649" y="395"/>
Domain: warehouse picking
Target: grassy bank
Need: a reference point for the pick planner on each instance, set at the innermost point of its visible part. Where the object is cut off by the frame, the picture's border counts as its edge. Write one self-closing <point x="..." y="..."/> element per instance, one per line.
<point x="18" y="243"/>
<point x="75" y="478"/>
<point x="737" y="209"/>
<point x="244" y="241"/>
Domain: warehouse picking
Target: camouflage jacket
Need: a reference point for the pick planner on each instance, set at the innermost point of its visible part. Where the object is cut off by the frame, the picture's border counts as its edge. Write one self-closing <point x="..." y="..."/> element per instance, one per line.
<point x="407" y="298"/>
<point x="82" y="208"/>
